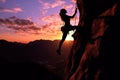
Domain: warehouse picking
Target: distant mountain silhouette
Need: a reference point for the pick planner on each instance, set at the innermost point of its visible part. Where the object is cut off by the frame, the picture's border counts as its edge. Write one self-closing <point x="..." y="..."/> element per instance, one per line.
<point x="33" y="51"/>
<point x="32" y="56"/>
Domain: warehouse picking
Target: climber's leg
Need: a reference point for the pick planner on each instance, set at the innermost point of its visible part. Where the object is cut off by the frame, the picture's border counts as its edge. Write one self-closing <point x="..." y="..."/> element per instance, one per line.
<point x="61" y="42"/>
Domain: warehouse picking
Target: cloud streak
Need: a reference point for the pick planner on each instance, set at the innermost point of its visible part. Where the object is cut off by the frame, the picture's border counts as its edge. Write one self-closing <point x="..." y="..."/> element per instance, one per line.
<point x="13" y="10"/>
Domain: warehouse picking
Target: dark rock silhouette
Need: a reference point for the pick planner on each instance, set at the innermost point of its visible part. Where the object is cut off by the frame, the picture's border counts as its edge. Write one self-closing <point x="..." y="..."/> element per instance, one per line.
<point x="32" y="51"/>
<point x="109" y="48"/>
<point x="34" y="60"/>
<point x="26" y="70"/>
<point x="99" y="60"/>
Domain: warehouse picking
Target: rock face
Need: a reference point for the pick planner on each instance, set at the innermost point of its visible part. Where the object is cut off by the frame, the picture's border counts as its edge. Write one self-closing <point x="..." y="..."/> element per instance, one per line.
<point x="97" y="60"/>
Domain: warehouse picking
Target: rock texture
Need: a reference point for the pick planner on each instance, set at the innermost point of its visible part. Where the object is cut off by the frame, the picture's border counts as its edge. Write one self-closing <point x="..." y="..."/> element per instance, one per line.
<point x="97" y="60"/>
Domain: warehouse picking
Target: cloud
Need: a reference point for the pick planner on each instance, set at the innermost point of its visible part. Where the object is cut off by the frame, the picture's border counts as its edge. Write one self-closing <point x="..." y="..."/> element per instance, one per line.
<point x="54" y="22"/>
<point x="68" y="6"/>
<point x="16" y="24"/>
<point x="51" y="18"/>
<point x="74" y="1"/>
<point x="29" y="18"/>
<point x="46" y="5"/>
<point x="56" y="3"/>
<point x="44" y="12"/>
<point x="50" y="30"/>
<point x="52" y="26"/>
<point x="13" y="10"/>
<point x="3" y="1"/>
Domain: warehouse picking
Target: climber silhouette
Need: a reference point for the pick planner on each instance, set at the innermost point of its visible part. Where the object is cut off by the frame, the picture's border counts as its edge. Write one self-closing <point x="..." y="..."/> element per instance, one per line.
<point x="66" y="28"/>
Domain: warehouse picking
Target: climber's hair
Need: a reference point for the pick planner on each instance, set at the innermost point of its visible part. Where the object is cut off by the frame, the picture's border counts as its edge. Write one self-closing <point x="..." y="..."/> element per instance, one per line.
<point x="62" y="12"/>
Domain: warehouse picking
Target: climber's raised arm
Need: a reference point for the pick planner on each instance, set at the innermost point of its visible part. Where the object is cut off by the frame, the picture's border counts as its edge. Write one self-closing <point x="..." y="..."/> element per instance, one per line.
<point x="74" y="13"/>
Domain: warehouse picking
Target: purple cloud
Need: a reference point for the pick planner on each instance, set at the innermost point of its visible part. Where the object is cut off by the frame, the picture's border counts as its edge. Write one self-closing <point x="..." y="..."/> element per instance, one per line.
<point x="17" y="24"/>
<point x="13" y="10"/>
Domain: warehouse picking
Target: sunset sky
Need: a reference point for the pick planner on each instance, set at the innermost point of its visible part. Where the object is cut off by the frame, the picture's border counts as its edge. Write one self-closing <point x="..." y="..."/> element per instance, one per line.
<point x="29" y="20"/>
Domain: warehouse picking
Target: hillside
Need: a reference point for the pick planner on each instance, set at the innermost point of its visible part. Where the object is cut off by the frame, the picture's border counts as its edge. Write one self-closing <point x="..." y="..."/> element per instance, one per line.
<point x="35" y="54"/>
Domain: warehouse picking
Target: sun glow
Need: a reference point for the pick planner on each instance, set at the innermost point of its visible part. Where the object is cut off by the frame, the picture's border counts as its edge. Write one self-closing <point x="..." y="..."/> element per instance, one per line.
<point x="69" y="36"/>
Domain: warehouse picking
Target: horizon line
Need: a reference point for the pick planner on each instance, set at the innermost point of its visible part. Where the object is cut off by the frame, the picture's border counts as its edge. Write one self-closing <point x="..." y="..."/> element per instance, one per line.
<point x="32" y="40"/>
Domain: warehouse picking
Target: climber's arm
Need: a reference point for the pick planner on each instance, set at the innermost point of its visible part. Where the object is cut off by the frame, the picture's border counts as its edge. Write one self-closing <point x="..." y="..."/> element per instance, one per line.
<point x="74" y="14"/>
